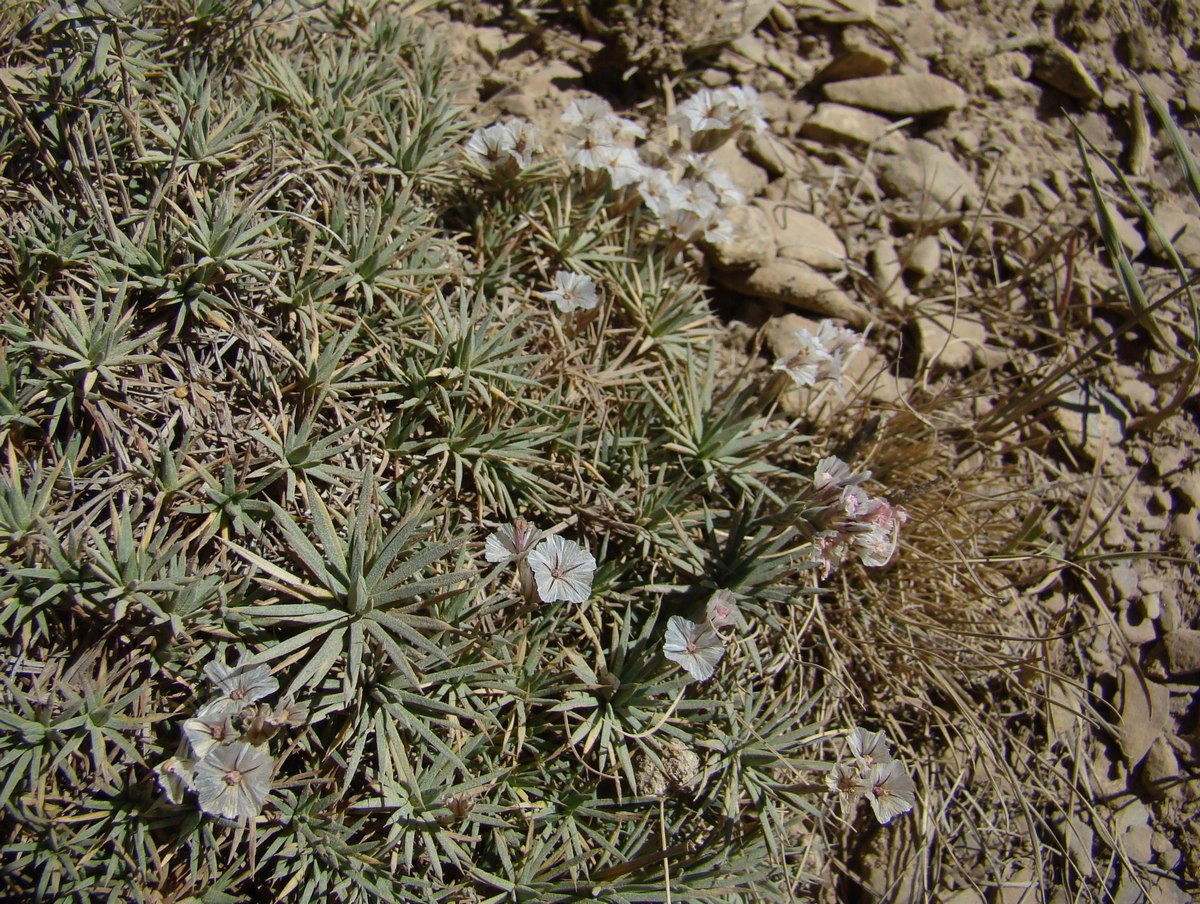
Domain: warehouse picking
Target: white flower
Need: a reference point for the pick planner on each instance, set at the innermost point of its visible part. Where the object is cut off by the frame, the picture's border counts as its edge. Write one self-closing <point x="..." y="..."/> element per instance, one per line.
<point x="659" y="191"/>
<point x="722" y="609"/>
<point x="891" y="790"/>
<point x="748" y="111"/>
<point x="587" y="112"/>
<point x="593" y="114"/>
<point x="510" y="542"/>
<point x="586" y="149"/>
<point x="491" y="146"/>
<point x="211" y="726"/>
<point x="504" y="148"/>
<point x="563" y="570"/>
<point x="696" y="648"/>
<point x="869" y="747"/>
<point x="526" y="142"/>
<point x="244" y="683"/>
<point x="704" y="111"/>
<point x="623" y="165"/>
<point x="845" y="780"/>
<point x="174" y="777"/>
<point x="233" y="781"/>
<point x="820" y="355"/>
<point x="573" y="291"/>
<point x="834" y="473"/>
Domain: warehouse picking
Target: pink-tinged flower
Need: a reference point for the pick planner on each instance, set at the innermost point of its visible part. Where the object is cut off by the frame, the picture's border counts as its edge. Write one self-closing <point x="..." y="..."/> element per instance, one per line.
<point x="233" y="781"/>
<point x="834" y="474"/>
<point x="513" y="543"/>
<point x="573" y="292"/>
<point x="510" y="542"/>
<point x="563" y="570"/>
<point x="722" y="609"/>
<point x="891" y="791"/>
<point x="697" y="648"/>
<point x="869" y="747"/>
<point x="877" y="542"/>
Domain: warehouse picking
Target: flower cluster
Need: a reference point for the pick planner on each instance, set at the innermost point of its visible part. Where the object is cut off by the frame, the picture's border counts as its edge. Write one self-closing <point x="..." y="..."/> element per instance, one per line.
<point x="224" y="757"/>
<point x="709" y="118"/>
<point x="553" y="568"/>
<point x="687" y="192"/>
<point x="871" y="772"/>
<point x="505" y="148"/>
<point x="698" y="648"/>
<point x="850" y="521"/>
<point x="821" y="355"/>
<point x="600" y="141"/>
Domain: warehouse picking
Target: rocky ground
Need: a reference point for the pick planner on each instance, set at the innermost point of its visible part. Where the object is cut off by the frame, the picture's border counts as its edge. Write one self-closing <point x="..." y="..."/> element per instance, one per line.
<point x="921" y="178"/>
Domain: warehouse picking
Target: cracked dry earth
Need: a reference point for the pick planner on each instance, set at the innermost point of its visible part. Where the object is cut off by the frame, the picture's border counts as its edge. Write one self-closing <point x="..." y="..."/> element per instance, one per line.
<point x="921" y="177"/>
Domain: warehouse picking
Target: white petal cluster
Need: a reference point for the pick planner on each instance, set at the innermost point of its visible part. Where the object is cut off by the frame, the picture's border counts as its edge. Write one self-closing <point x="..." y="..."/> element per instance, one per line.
<point x="550" y="567"/>
<point x="709" y="118"/>
<point x="871" y="772"/>
<point x="820" y="356"/>
<point x="850" y="521"/>
<point x="687" y="192"/>
<point x="573" y="292"/>
<point x="504" y="149"/>
<point x="229" y="768"/>
<point x="599" y="141"/>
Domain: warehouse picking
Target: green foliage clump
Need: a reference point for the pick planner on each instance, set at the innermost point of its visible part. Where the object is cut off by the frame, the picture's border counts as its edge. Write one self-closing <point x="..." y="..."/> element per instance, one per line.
<point x="273" y="366"/>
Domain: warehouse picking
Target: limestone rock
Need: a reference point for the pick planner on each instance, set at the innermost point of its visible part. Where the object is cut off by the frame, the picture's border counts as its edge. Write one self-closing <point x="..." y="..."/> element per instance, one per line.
<point x="1160" y="771"/>
<point x="1144" y="706"/>
<point x="1059" y="67"/>
<point x="1183" y="231"/>
<point x="887" y="271"/>
<point x="1022" y="888"/>
<point x="774" y="156"/>
<point x="948" y="339"/>
<point x="1183" y="651"/>
<point x="1080" y="840"/>
<point x="748" y="178"/>
<point x="802" y="237"/>
<point x="860" y="62"/>
<point x="899" y="95"/>
<point x="835" y="11"/>
<point x="1134" y="833"/>
<point x="752" y="244"/>
<point x="1127" y="233"/>
<point x="838" y="124"/>
<point x="930" y="177"/>
<point x="1091" y="420"/>
<point x="799" y="286"/>
<point x="924" y="257"/>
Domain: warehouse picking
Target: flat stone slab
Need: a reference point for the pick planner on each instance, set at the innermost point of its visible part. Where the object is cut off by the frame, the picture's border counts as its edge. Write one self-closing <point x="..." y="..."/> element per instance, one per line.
<point x="899" y="95"/>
